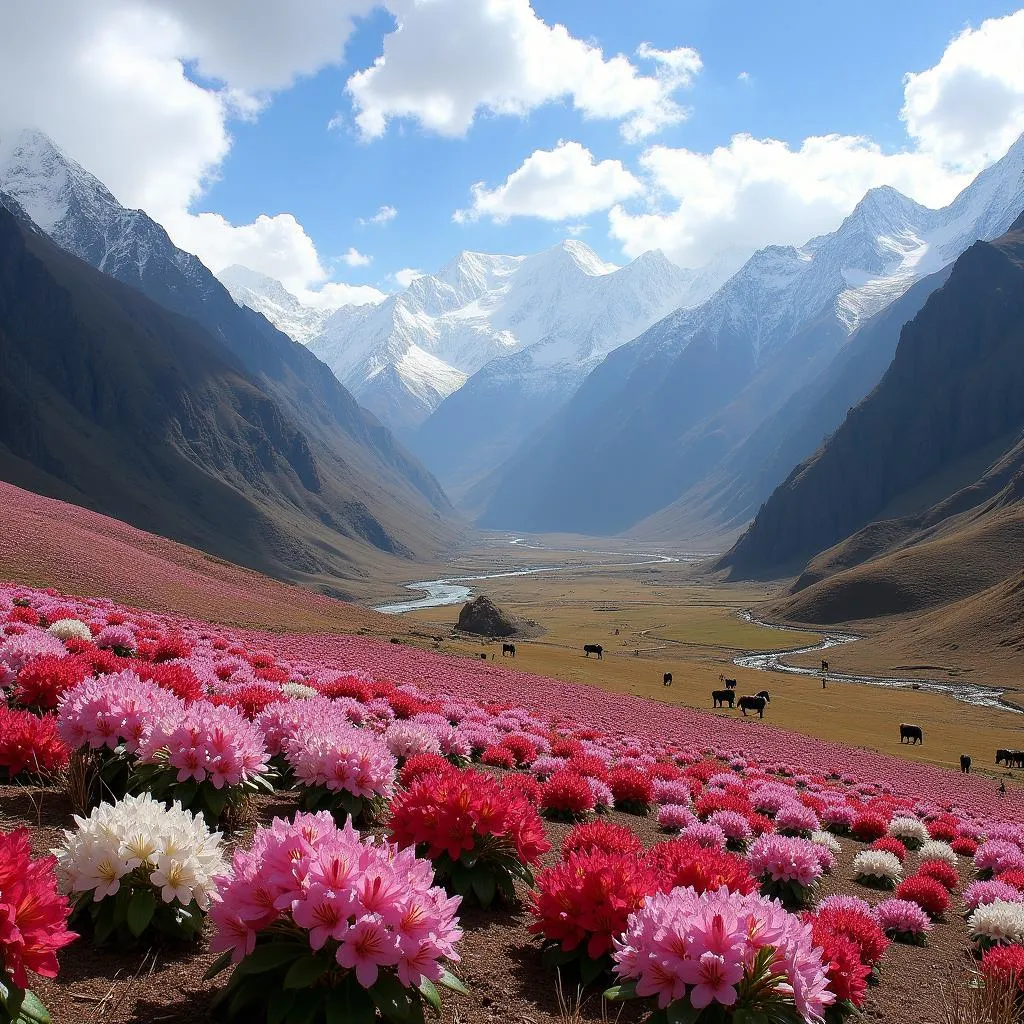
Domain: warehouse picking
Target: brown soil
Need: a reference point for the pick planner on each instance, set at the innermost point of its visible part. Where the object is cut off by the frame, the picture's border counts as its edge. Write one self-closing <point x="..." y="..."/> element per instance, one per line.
<point x="500" y="965"/>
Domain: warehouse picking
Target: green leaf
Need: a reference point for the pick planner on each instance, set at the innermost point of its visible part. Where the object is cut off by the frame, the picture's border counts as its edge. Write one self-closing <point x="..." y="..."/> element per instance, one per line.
<point x="32" y="1010"/>
<point x="140" y="911"/>
<point x="279" y="1005"/>
<point x="591" y="970"/>
<point x="627" y="990"/>
<point x="390" y="997"/>
<point x="308" y="1005"/>
<point x="104" y="920"/>
<point x="215" y="800"/>
<point x="484" y="887"/>
<point x="429" y="992"/>
<point x="185" y="792"/>
<point x="266" y="958"/>
<point x="681" y="1012"/>
<point x="306" y="971"/>
<point x="452" y="983"/>
<point x="221" y="963"/>
<point x="350" y="1004"/>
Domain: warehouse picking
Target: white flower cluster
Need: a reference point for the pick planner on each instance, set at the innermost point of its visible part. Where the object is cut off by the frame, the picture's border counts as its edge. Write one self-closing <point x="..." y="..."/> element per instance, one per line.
<point x="69" y="629"/>
<point x="298" y="690"/>
<point x="997" y="922"/>
<point x="170" y="847"/>
<point x="827" y="840"/>
<point x="909" y="830"/>
<point x="935" y="850"/>
<point x="878" y="864"/>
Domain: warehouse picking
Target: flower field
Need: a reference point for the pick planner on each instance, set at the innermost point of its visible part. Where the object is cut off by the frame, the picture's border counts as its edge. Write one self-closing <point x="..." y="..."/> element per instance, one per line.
<point x="325" y="828"/>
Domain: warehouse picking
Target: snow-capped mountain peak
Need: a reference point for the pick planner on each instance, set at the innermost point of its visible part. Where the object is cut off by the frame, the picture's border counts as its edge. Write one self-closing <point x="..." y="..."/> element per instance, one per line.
<point x="269" y="297"/>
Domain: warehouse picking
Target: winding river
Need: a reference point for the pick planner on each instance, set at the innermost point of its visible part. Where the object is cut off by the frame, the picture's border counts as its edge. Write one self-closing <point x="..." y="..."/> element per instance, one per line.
<point x="772" y="661"/>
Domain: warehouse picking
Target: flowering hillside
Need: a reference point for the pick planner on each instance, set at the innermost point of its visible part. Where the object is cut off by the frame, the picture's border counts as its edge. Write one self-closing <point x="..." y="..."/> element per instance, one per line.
<point x="331" y="827"/>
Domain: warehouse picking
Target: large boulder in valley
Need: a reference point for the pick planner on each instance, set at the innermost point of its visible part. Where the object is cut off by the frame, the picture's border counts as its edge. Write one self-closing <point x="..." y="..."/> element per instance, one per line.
<point x="483" y="617"/>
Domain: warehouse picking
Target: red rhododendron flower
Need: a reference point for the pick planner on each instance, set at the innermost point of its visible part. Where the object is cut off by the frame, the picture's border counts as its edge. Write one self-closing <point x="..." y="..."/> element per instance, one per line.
<point x="684" y="862"/>
<point x="567" y="793"/>
<point x="964" y="847"/>
<point x="498" y="757"/>
<point x="929" y="895"/>
<point x="1014" y="877"/>
<point x="1004" y="964"/>
<point x="20" y="613"/>
<point x="584" y="901"/>
<point x="179" y="679"/>
<point x="760" y="824"/>
<point x="944" y="828"/>
<point x="345" y="686"/>
<point x="453" y="812"/>
<point x="859" y="927"/>
<point x="29" y="743"/>
<point x="250" y="700"/>
<point x="665" y="770"/>
<point x="525" y="785"/>
<point x="601" y="835"/>
<point x="590" y="765"/>
<point x="847" y="975"/>
<point x="869" y="827"/>
<point x="43" y="680"/>
<point x="523" y="751"/>
<point x="632" y="789"/>
<point x="422" y="764"/>
<point x="943" y="873"/>
<point x="404" y="705"/>
<point x="562" y="747"/>
<point x="707" y="803"/>
<point x="891" y="845"/>
<point x="703" y="770"/>
<point x="33" y="915"/>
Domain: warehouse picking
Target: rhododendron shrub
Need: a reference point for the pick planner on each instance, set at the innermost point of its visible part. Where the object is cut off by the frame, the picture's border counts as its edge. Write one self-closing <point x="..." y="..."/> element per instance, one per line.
<point x="325" y="925"/>
<point x="566" y="796"/>
<point x="632" y="788"/>
<point x="137" y="867"/>
<point x="33" y="926"/>
<point x="928" y="894"/>
<point x="1005" y="965"/>
<point x="584" y="902"/>
<point x="210" y="758"/>
<point x="843" y="916"/>
<point x="846" y="972"/>
<point x="997" y="923"/>
<point x="480" y="835"/>
<point x="721" y="956"/>
<point x="788" y="868"/>
<point x="878" y="869"/>
<point x="29" y="745"/>
<point x="903" y="921"/>
<point x="684" y="863"/>
<point x="601" y="835"/>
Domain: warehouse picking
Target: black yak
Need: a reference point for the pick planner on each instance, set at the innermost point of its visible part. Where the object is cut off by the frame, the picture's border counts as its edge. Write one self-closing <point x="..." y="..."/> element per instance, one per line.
<point x="589" y="649"/>
<point x="721" y="697"/>
<point x="509" y="649"/>
<point x="911" y="733"/>
<point x="749" y="703"/>
<point x="667" y="681"/>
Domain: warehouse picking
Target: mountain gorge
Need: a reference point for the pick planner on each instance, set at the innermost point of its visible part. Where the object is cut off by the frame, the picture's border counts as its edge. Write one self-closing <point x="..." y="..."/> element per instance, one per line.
<point x="938" y="439"/>
<point x="334" y="483"/>
<point x="661" y="416"/>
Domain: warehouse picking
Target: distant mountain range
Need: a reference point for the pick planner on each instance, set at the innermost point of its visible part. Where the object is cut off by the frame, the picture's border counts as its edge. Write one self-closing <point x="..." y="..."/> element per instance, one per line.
<point x="655" y="424"/>
<point x="169" y="405"/>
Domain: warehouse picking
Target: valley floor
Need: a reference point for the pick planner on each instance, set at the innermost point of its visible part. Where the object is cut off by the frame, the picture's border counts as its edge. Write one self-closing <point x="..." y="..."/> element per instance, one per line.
<point x="660" y="618"/>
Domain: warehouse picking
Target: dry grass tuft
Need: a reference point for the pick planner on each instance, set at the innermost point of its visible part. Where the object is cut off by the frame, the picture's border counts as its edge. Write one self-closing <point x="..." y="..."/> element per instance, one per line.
<point x="979" y="1001"/>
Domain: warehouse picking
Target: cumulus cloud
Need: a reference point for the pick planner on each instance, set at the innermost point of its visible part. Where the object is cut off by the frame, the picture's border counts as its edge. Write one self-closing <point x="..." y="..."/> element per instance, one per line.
<point x="382" y="216"/>
<point x="969" y="107"/>
<point x="354" y="258"/>
<point x="449" y="60"/>
<point x="960" y="115"/>
<point x="334" y="295"/>
<point x="108" y="81"/>
<point x="554" y="184"/>
<point x="406" y="276"/>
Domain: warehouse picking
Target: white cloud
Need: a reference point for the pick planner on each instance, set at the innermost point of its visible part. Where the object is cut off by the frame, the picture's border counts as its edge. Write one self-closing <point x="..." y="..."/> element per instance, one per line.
<point x="743" y="76"/>
<point x="354" y="258"/>
<point x="107" y="81"/>
<point x="575" y="230"/>
<point x="554" y="184"/>
<point x="406" y="276"/>
<point x="382" y="216"/>
<point x="448" y="60"/>
<point x="960" y="115"/>
<point x="969" y="107"/>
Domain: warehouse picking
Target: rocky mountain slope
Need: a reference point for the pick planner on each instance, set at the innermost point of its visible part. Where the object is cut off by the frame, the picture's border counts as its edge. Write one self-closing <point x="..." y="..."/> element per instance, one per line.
<point x="659" y="415"/>
<point x="937" y="439"/>
<point x="384" y="495"/>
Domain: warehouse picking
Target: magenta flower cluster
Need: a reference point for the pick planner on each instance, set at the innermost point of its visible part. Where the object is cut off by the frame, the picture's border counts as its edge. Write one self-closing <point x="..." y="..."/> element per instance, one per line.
<point x="374" y="904"/>
<point x="786" y="859"/>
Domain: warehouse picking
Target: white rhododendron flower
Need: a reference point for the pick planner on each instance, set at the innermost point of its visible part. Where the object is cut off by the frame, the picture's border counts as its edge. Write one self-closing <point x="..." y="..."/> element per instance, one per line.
<point x="69" y="629"/>
<point x="909" y="831"/>
<point x="168" y="848"/>
<point x="299" y="690"/>
<point x="879" y="865"/>
<point x="997" y="923"/>
<point x="827" y="840"/>
<point x="935" y="850"/>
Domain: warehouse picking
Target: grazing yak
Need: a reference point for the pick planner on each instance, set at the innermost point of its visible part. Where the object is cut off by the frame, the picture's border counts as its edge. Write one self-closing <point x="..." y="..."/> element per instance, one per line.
<point x="965" y="763"/>
<point x="1013" y="758"/>
<point x="721" y="697"/>
<point x="667" y="681"/>
<point x="911" y="733"/>
<point x="509" y="649"/>
<point x="589" y="649"/>
<point x="824" y="665"/>
<point x="764" y="693"/>
<point x="730" y="684"/>
<point x="749" y="703"/>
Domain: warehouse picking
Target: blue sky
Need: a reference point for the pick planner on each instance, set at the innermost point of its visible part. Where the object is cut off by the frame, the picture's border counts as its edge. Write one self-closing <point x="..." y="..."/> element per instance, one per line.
<point x="266" y="126"/>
